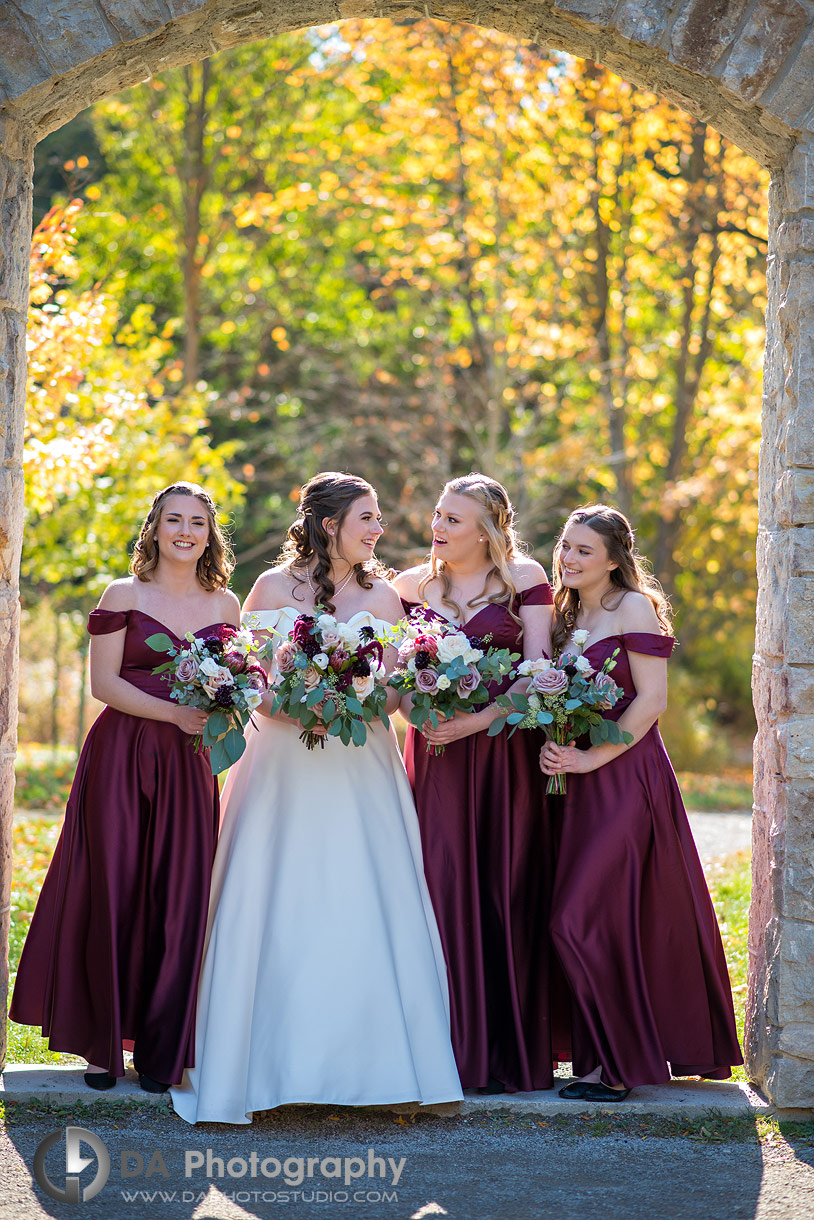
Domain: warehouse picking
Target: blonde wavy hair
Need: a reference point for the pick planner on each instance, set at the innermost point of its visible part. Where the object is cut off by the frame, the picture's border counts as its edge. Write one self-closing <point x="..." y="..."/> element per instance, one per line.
<point x="216" y="564"/>
<point x="630" y="573"/>
<point x="496" y="521"/>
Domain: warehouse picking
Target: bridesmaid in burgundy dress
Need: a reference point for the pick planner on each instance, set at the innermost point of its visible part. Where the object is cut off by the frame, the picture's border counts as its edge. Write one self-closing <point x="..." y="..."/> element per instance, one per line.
<point x="632" y="919"/>
<point x="484" y="825"/>
<point x="114" y="948"/>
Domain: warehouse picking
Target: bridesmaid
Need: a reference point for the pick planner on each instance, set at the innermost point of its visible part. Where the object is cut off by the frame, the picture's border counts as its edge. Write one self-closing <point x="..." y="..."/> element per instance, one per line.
<point x="484" y="827"/>
<point x="632" y="919"/>
<point x="114" y="948"/>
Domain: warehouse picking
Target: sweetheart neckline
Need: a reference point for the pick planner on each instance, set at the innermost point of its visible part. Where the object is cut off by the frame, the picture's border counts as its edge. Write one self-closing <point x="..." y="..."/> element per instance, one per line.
<point x="347" y="621"/>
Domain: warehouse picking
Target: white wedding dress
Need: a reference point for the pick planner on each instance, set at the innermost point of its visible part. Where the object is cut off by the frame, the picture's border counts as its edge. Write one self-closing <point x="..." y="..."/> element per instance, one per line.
<point x="323" y="978"/>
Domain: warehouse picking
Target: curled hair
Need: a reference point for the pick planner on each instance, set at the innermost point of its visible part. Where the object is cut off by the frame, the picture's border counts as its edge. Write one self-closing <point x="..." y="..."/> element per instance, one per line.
<point x="629" y="575"/>
<point x="217" y="562"/>
<point x="496" y="521"/>
<point x="326" y="497"/>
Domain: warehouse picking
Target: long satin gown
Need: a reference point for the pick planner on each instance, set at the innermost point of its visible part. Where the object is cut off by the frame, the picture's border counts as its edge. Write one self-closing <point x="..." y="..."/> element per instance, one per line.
<point x="486" y="833"/>
<point x="114" y="948"/>
<point x="632" y="919"/>
<point x="323" y="978"/>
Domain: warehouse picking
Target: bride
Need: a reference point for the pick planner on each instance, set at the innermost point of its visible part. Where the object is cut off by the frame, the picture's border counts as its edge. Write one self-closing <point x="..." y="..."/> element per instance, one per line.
<point x="323" y="978"/>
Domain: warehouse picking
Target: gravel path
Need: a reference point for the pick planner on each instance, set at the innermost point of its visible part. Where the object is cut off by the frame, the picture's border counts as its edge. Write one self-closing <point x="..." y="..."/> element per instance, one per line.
<point x="720" y="834"/>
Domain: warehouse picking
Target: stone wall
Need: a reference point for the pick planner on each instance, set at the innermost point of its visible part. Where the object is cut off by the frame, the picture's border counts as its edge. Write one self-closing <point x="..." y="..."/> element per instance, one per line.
<point x="744" y="66"/>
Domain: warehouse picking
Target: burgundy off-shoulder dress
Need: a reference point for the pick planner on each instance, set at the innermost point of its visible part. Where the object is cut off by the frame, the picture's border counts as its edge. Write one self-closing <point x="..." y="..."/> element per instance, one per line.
<point x="632" y="919"/>
<point x="114" y="948"/>
<point x="488" y="850"/>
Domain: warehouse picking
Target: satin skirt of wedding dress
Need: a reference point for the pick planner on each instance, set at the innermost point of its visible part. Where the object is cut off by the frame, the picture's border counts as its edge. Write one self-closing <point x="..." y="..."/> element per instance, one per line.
<point x="323" y="978"/>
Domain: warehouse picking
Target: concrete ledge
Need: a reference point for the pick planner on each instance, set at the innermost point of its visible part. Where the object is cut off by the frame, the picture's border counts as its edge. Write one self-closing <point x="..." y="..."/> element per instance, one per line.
<point x="55" y="1085"/>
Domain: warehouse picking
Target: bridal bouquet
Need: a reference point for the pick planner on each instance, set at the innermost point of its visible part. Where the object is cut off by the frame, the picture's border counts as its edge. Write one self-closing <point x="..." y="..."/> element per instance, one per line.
<point x="330" y="674"/>
<point x="444" y="670"/>
<point x="221" y="676"/>
<point x="565" y="699"/>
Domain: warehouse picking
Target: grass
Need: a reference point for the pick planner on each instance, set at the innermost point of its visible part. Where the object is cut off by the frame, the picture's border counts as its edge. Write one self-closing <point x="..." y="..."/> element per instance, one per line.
<point x="717" y="793"/>
<point x="43" y="776"/>
<point x="730" y="883"/>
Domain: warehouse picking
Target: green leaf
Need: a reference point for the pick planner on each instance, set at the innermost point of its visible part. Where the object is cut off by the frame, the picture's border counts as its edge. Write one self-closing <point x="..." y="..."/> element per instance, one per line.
<point x="329" y="711"/>
<point x="335" y="727"/>
<point x="514" y="718"/>
<point x="160" y="643"/>
<point x="314" y="697"/>
<point x="218" y="723"/>
<point x="358" y="732"/>
<point x="495" y="727"/>
<point x="353" y="705"/>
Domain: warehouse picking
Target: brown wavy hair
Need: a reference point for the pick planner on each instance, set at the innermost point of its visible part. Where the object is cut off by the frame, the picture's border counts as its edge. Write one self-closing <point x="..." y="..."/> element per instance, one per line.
<point x="216" y="564"/>
<point x="327" y="496"/>
<point x="629" y="575"/>
<point x="496" y="520"/>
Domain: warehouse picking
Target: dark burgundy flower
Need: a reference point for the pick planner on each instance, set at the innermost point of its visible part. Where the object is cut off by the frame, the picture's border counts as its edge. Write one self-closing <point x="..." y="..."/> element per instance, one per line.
<point x="223" y="696"/>
<point x="570" y="670"/>
<point x="422" y="659"/>
<point x="215" y="645"/>
<point x="344" y="680"/>
<point x="367" y="633"/>
<point x="361" y="668"/>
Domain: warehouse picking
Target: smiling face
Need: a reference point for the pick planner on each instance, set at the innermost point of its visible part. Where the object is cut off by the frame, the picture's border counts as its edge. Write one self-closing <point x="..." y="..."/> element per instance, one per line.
<point x="356" y="538"/>
<point x="582" y="558"/>
<point x="456" y="529"/>
<point x="183" y="529"/>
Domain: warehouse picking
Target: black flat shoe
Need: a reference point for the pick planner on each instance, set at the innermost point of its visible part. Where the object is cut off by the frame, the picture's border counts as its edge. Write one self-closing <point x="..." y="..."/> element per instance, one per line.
<point x="575" y="1091"/>
<point x="99" y="1080"/>
<point x="492" y="1087"/>
<point x="597" y="1091"/>
<point x="152" y="1086"/>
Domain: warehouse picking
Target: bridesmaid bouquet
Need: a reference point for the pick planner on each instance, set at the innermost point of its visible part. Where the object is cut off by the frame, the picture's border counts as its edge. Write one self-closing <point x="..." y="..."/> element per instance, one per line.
<point x="566" y="698"/>
<point x="330" y="673"/>
<point x="220" y="676"/>
<point x="444" y="670"/>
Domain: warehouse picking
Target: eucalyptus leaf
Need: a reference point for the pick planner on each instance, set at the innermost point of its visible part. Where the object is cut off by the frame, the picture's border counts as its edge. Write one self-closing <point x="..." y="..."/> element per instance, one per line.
<point x="160" y="643"/>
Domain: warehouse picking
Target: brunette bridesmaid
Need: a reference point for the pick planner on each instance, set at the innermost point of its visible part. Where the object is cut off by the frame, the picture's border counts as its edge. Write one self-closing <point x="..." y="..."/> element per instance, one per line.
<point x="632" y="919"/>
<point x="484" y="826"/>
<point x="114" y="948"/>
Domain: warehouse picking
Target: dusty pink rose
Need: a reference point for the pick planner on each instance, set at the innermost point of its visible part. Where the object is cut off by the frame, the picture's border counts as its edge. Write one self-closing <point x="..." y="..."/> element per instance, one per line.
<point x="550" y="682"/>
<point x="363" y="686"/>
<point x="187" y="670"/>
<point x="605" y="682"/>
<point x="284" y="657"/>
<point x="469" y="682"/>
<point x="311" y="677"/>
<point x="330" y="637"/>
<point x="426" y="680"/>
<point x="216" y="681"/>
<point x="338" y="659"/>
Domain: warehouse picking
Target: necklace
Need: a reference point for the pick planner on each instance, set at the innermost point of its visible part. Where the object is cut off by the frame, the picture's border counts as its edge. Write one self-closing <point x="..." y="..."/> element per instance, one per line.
<point x="337" y="588"/>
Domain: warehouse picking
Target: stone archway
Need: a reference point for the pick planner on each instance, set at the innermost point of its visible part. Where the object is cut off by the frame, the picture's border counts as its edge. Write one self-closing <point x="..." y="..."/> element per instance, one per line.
<point x="744" y="66"/>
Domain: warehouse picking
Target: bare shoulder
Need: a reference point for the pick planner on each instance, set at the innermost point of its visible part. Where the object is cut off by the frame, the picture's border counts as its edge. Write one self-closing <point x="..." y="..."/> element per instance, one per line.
<point x="406" y="583"/>
<point x="120" y="595"/>
<point x="271" y="590"/>
<point x="637" y="613"/>
<point x="384" y="602"/>
<point x="228" y="607"/>
<point x="527" y="572"/>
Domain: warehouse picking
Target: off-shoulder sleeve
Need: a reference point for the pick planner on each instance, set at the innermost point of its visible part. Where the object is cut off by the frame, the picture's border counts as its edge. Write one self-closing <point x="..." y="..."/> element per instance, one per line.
<point x="537" y="595"/>
<point x="649" y="643"/>
<point x="103" y="622"/>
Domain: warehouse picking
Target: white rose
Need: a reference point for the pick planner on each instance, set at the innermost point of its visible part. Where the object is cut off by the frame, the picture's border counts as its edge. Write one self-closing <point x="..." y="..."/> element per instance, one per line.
<point x="321" y="660"/>
<point x="208" y="667"/>
<point x="349" y="636"/>
<point x="411" y="665"/>
<point x="326" y="621"/>
<point x="253" y="697"/>
<point x="331" y="638"/>
<point x="583" y="665"/>
<point x="363" y="686"/>
<point x="472" y="655"/>
<point x="452" y="646"/>
<point x="444" y="682"/>
<point x="579" y="637"/>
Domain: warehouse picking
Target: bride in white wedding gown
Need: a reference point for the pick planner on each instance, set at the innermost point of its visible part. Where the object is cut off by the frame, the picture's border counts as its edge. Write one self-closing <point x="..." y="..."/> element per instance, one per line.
<point x="323" y="978"/>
